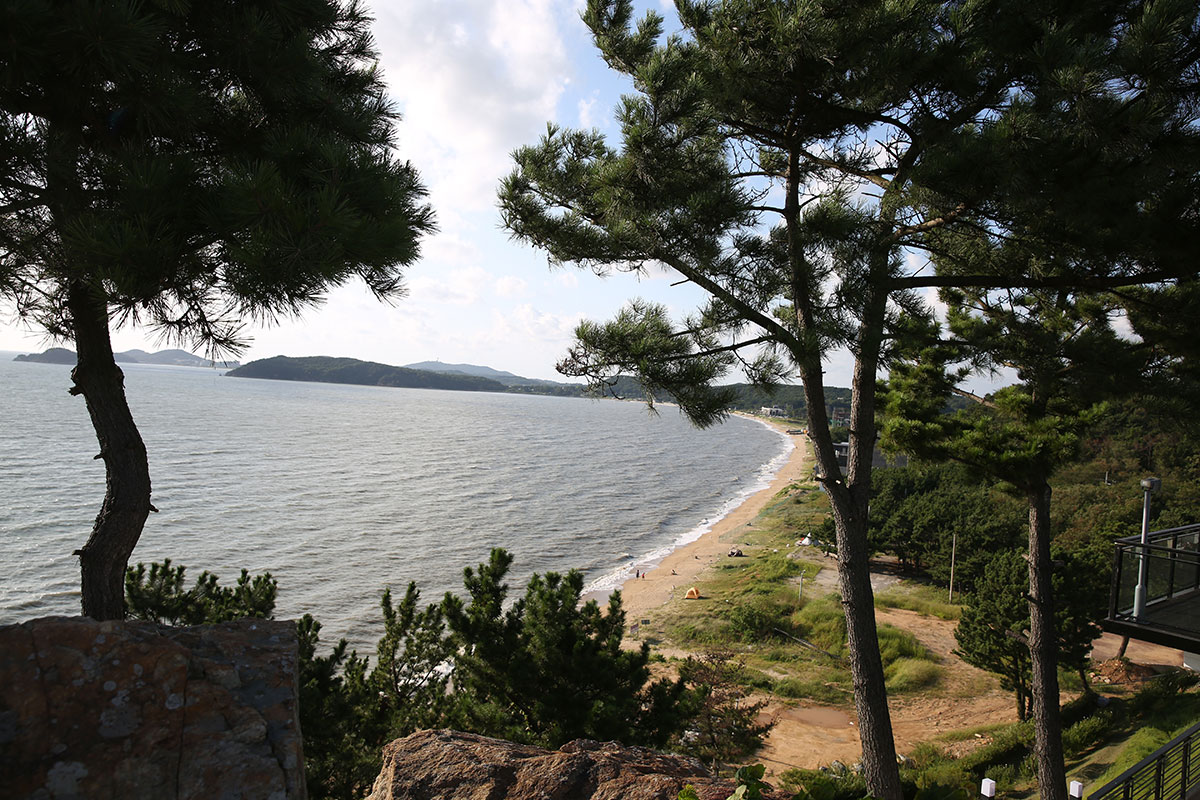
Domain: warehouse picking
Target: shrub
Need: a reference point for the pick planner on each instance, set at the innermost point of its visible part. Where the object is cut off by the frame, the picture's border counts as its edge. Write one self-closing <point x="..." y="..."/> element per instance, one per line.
<point x="756" y="620"/>
<point x="896" y="644"/>
<point x="1087" y="732"/>
<point x="822" y="622"/>
<point x="909" y="674"/>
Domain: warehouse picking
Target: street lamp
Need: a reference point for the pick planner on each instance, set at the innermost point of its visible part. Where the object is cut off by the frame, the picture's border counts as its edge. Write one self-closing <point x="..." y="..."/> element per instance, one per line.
<point x="1149" y="485"/>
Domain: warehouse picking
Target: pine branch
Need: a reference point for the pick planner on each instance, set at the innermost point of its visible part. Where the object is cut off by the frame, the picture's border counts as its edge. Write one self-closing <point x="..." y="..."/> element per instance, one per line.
<point x="927" y="225"/>
<point x="1031" y="282"/>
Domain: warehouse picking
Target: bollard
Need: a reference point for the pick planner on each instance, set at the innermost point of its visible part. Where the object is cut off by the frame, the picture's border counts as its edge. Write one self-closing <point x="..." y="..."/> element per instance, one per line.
<point x="1075" y="789"/>
<point x="987" y="788"/>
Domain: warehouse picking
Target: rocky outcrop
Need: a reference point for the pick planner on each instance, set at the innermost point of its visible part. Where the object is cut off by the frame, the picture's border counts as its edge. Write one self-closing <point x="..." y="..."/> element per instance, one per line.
<point x="135" y="710"/>
<point x="447" y="765"/>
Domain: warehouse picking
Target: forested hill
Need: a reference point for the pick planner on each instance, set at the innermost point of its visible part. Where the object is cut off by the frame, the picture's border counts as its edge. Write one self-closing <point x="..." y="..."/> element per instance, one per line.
<point x="324" y="369"/>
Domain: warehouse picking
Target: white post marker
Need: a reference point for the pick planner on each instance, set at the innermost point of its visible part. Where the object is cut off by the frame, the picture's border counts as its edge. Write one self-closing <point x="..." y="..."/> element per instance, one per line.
<point x="1075" y="790"/>
<point x="987" y="788"/>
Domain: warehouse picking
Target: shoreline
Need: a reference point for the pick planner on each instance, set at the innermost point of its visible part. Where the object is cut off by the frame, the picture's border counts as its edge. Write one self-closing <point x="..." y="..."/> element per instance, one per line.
<point x="685" y="565"/>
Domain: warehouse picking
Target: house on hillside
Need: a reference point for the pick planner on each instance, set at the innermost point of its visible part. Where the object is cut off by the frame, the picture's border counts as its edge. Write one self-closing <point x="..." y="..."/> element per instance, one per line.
<point x="1156" y="590"/>
<point x="1156" y="598"/>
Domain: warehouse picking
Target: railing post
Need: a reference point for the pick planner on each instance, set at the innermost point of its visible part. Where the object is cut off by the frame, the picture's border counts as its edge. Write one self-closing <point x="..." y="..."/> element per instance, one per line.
<point x="1158" y="777"/>
<point x="1171" y="557"/>
<point x="1183" y="768"/>
<point x="1114" y="595"/>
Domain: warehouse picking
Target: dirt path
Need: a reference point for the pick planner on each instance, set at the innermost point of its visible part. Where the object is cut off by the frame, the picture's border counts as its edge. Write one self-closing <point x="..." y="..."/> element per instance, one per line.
<point x="810" y="735"/>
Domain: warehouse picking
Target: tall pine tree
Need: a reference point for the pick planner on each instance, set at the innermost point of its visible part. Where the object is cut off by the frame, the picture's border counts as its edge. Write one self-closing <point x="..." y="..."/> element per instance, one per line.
<point x="784" y="156"/>
<point x="187" y="166"/>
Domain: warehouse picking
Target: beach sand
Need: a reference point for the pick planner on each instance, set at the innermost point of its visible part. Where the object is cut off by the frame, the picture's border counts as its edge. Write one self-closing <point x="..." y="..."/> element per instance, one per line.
<point x="685" y="566"/>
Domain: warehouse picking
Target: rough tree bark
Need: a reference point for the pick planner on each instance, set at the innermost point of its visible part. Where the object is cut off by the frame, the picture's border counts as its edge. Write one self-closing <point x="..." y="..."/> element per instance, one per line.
<point x="849" y="496"/>
<point x="1043" y="651"/>
<point x="127" y="471"/>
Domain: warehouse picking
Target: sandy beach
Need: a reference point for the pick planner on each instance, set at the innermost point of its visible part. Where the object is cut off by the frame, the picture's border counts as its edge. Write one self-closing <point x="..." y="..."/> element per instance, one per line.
<point x="684" y="567"/>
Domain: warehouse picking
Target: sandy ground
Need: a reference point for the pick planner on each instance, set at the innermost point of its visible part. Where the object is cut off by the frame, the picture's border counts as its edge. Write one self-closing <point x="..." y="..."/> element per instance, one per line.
<point x="683" y="567"/>
<point x="809" y="735"/>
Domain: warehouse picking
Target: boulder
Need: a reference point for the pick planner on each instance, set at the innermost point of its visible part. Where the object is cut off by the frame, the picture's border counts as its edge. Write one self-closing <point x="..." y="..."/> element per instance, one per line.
<point x="137" y="710"/>
<point x="448" y="765"/>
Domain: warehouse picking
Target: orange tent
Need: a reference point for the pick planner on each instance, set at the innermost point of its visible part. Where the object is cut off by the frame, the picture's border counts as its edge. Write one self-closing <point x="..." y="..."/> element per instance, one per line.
<point x="692" y="594"/>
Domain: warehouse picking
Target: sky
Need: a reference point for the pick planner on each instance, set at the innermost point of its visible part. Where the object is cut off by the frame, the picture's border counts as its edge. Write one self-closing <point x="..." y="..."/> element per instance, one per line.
<point x="473" y="80"/>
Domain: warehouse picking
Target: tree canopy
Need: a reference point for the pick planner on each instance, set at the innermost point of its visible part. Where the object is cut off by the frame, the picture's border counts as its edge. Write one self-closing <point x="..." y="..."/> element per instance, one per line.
<point x="188" y="166"/>
<point x="787" y="158"/>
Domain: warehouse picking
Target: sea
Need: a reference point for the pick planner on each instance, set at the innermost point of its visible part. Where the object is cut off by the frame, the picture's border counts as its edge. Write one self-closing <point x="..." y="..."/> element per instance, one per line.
<point x="340" y="491"/>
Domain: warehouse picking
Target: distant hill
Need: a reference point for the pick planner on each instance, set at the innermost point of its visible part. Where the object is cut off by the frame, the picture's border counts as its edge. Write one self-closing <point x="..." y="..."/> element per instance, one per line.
<point x="55" y="355"/>
<point x="174" y="358"/>
<point x="324" y="369"/>
<point x="507" y="378"/>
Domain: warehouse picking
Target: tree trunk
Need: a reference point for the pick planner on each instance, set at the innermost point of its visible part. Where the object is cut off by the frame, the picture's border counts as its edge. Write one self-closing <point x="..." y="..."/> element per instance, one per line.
<point x="854" y="567"/>
<point x="849" y="494"/>
<point x="1043" y="652"/>
<point x="1124" y="645"/>
<point x="127" y="473"/>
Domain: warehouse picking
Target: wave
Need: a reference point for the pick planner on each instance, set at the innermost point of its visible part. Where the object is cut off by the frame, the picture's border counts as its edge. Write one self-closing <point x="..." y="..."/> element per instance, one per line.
<point x="616" y="577"/>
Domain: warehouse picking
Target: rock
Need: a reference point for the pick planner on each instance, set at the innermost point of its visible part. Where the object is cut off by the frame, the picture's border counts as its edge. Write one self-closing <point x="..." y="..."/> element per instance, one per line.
<point x="137" y="710"/>
<point x="447" y="765"/>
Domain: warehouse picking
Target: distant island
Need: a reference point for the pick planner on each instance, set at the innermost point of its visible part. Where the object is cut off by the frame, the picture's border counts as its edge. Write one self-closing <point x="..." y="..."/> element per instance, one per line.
<point x="325" y="369"/>
<point x="474" y="378"/>
<point x="171" y="358"/>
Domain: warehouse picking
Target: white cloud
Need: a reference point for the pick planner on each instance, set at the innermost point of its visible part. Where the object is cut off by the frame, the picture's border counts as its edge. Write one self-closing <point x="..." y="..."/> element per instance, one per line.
<point x="450" y="249"/>
<point x="510" y="286"/>
<point x="565" y="279"/>
<point x="474" y="79"/>
<point x="586" y="108"/>
<point x="457" y="287"/>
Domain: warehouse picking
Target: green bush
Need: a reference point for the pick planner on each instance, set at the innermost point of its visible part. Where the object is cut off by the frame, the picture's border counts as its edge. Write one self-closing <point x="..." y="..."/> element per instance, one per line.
<point x="910" y="674"/>
<point x="822" y="622"/>
<point x="1087" y="732"/>
<point x="757" y="620"/>
<point x="812" y="783"/>
<point x="896" y="644"/>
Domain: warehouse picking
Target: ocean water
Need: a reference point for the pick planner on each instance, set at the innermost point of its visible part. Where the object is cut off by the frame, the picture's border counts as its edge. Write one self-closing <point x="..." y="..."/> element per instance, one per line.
<point x="339" y="491"/>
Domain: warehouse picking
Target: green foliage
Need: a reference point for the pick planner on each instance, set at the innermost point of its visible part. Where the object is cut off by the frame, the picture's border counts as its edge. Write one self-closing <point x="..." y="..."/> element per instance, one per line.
<point x="548" y="669"/>
<point x="925" y="514"/>
<point x="1087" y="732"/>
<point x="199" y="179"/>
<point x="725" y="726"/>
<point x="822" y="621"/>
<point x="158" y="595"/>
<point x="811" y="784"/>
<point x="810" y="688"/>
<point x="758" y="619"/>
<point x="911" y="674"/>
<point x="337" y="719"/>
<point x="991" y="632"/>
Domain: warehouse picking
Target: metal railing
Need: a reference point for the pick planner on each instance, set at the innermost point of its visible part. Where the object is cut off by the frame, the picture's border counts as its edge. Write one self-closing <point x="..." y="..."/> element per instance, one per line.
<point x="1169" y="567"/>
<point x="1172" y="772"/>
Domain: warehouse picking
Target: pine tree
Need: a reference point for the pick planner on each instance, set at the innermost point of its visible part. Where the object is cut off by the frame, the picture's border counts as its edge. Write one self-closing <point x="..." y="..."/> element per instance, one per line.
<point x="992" y="633"/>
<point x="187" y="166"/>
<point x="783" y="157"/>
<point x="550" y="669"/>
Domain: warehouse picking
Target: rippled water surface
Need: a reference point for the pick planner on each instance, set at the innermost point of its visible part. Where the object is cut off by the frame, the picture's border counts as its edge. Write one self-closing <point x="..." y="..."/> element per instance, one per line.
<point x="342" y="490"/>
